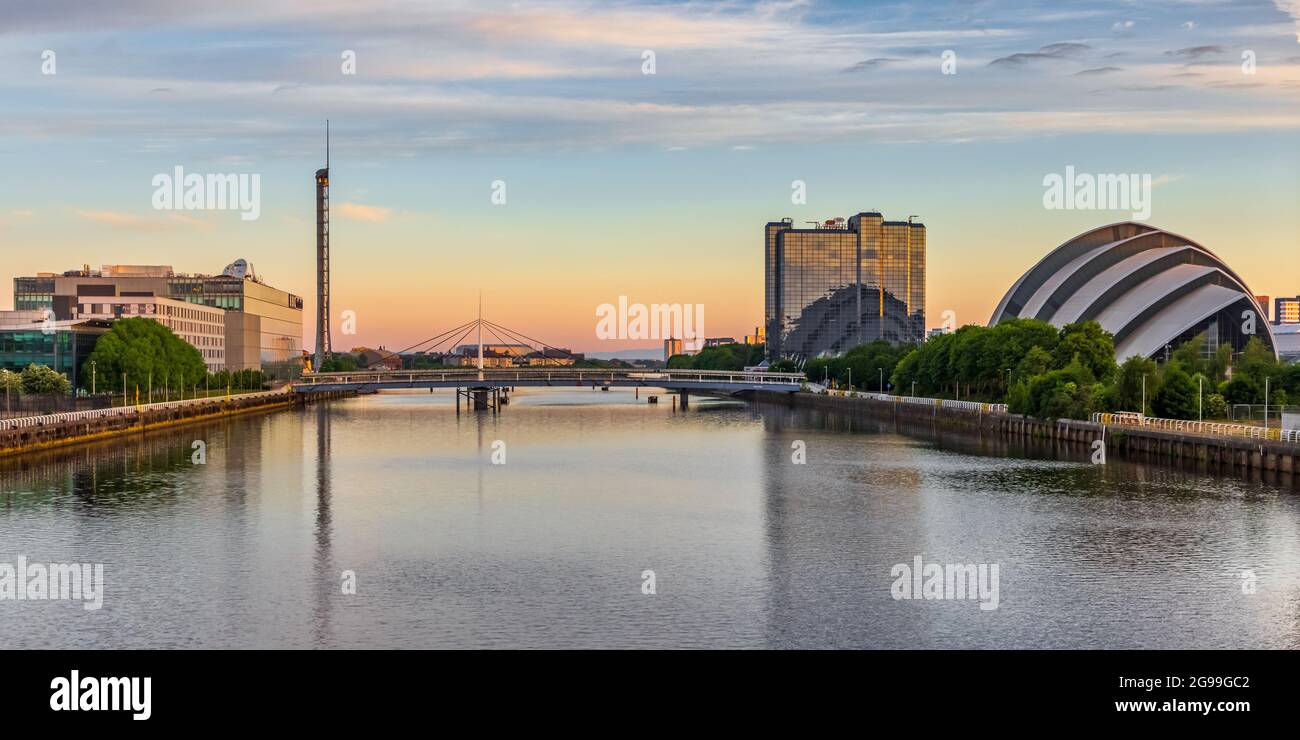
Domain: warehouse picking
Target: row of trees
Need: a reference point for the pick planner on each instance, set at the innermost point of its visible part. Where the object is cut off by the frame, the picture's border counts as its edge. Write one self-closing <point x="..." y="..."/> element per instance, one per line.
<point x="723" y="357"/>
<point x="869" y="365"/>
<point x="34" y="380"/>
<point x="1071" y="373"/>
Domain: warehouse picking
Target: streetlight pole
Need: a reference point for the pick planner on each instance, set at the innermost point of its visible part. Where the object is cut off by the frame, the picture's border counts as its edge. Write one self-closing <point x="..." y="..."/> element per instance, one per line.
<point x="882" y="380"/>
<point x="850" y="379"/>
<point x="1144" y="395"/>
<point x="94" y="376"/>
<point x="1200" y="398"/>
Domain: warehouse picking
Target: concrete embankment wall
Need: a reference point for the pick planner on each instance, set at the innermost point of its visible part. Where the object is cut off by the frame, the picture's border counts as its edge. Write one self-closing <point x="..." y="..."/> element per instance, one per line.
<point x="1229" y="454"/>
<point x="139" y="420"/>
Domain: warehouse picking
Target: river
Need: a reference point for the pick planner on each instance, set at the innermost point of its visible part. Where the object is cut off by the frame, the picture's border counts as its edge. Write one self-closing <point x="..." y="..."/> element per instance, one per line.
<point x="547" y="525"/>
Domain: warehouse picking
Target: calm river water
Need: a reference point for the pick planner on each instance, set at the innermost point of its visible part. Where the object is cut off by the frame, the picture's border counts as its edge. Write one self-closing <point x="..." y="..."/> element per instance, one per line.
<point x="550" y="549"/>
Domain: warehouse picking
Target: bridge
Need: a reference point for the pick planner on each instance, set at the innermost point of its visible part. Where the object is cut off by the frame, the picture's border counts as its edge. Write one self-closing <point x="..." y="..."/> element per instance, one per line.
<point x="475" y="381"/>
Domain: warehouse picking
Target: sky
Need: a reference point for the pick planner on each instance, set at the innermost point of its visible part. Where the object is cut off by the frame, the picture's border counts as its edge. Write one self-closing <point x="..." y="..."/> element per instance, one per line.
<point x="622" y="183"/>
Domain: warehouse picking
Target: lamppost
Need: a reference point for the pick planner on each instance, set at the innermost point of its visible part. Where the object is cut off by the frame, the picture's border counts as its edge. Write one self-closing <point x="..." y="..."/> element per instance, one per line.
<point x="94" y="376"/>
<point x="914" y="388"/>
<point x="1200" y="397"/>
<point x="850" y="379"/>
<point x="1144" y="395"/>
<point x="882" y="380"/>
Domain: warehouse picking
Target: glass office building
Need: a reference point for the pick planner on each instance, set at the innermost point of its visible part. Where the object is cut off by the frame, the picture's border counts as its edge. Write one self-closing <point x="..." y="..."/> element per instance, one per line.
<point x="841" y="284"/>
<point x="263" y="324"/>
<point x="64" y="346"/>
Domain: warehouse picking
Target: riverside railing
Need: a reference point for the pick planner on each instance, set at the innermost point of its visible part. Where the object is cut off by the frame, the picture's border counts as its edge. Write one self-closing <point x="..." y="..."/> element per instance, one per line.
<point x="1131" y="418"/>
<point x="923" y="401"/>
<point x="580" y="376"/>
<point x="27" y="422"/>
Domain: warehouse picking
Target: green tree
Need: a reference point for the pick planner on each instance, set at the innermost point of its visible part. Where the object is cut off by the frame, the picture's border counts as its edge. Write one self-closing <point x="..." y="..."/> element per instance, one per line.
<point x="1177" y="397"/>
<point x="680" y="362"/>
<point x="1093" y="346"/>
<point x="1068" y="393"/>
<point x="145" y="351"/>
<point x="10" y="382"/>
<point x="41" y="380"/>
<point x="1126" y="391"/>
<point x="1216" y="407"/>
<point x="1190" y="355"/>
<point x="1035" y="362"/>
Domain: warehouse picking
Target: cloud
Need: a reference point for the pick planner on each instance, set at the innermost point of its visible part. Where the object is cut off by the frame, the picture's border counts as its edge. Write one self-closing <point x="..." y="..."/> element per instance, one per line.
<point x="1291" y="8"/>
<point x="1059" y="50"/>
<point x="1195" y="52"/>
<point x="869" y="64"/>
<point x="1123" y="28"/>
<point x="359" y="212"/>
<point x="1190" y="25"/>
<point x="132" y="222"/>
<point x="22" y="213"/>
<point x="1097" y="71"/>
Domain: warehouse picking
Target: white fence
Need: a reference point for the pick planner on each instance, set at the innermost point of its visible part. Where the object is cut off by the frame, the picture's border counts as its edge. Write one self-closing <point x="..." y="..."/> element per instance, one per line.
<point x="921" y="401"/>
<point x="1131" y="418"/>
<point x="78" y="416"/>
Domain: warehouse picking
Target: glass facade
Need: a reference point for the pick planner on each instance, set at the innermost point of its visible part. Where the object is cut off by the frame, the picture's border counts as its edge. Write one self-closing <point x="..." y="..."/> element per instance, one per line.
<point x="33" y="294"/>
<point x="831" y="289"/>
<point x="65" y="350"/>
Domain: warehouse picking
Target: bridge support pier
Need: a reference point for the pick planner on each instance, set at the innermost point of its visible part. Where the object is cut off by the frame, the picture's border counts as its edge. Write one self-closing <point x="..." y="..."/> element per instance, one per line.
<point x="480" y="399"/>
<point x="686" y="399"/>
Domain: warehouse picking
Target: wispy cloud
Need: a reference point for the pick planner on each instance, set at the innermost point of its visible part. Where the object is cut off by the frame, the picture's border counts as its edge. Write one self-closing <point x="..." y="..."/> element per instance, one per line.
<point x="359" y="212"/>
<point x="132" y="222"/>
<point x="1050" y="52"/>
<point x="870" y="64"/>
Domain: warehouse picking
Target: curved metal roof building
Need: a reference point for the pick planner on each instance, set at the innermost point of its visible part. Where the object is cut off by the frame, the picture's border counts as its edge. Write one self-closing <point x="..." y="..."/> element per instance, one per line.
<point x="1147" y="286"/>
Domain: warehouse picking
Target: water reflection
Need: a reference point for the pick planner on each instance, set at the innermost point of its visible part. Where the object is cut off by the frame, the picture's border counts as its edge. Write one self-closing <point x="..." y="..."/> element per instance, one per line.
<point x="750" y="549"/>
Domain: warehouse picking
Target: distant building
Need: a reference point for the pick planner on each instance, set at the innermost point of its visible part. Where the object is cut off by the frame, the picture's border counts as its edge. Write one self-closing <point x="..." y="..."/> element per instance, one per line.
<point x="938" y="331"/>
<point x="512" y="355"/>
<point x="719" y="341"/>
<point x="1286" y="310"/>
<point x="672" y="347"/>
<point x="263" y="325"/>
<point x="378" y="359"/>
<point x="1263" y="302"/>
<point x="841" y="284"/>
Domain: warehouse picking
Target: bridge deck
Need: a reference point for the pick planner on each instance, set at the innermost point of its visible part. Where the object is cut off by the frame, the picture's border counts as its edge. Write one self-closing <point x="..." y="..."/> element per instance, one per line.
<point x="678" y="380"/>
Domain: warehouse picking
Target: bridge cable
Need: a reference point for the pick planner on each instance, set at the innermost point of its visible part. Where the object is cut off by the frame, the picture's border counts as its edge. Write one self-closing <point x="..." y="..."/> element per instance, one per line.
<point x="451" y="331"/>
<point x="525" y="336"/>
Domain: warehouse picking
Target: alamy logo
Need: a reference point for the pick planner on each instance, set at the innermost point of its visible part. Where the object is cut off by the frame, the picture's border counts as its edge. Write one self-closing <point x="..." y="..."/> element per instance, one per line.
<point x="948" y="581"/>
<point x="91" y="694"/>
<point x="1104" y="192"/>
<point x="53" y="582"/>
<point x="211" y="192"/>
<point x="656" y="321"/>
